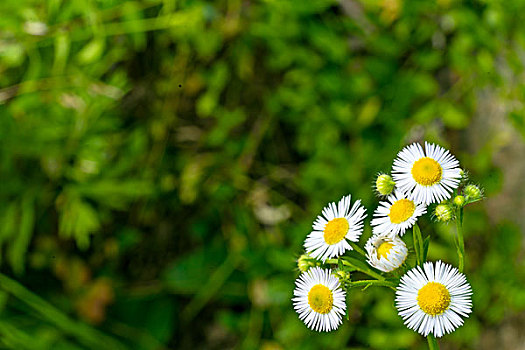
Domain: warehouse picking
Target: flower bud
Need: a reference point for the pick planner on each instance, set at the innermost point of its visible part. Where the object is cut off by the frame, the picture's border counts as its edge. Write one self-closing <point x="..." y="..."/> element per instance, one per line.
<point x="459" y="201"/>
<point x="342" y="275"/>
<point x="384" y="184"/>
<point x="443" y="212"/>
<point x="305" y="261"/>
<point x="472" y="192"/>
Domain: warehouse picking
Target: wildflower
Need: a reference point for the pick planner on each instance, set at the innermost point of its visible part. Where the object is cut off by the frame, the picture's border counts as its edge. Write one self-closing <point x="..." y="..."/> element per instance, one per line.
<point x="464" y="175"/>
<point x="319" y="299"/>
<point x="397" y="214"/>
<point x="443" y="212"/>
<point x="384" y="184"/>
<point x="473" y="192"/>
<point x="331" y="230"/>
<point x="459" y="201"/>
<point x="433" y="299"/>
<point x="305" y="261"/>
<point x="386" y="252"/>
<point x="342" y="275"/>
<point x="429" y="175"/>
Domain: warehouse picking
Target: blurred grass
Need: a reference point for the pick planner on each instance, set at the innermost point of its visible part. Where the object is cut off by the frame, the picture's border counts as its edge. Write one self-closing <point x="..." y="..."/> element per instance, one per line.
<point x="161" y="163"/>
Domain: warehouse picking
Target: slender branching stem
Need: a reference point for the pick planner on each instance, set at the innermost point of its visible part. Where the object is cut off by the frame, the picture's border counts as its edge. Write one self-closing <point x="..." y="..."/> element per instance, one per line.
<point x="460" y="241"/>
<point x="367" y="271"/>
<point x="358" y="249"/>
<point x="367" y="283"/>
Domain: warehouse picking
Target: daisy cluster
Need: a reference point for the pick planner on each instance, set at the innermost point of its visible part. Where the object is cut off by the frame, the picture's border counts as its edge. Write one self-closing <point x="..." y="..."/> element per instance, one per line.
<point x="431" y="298"/>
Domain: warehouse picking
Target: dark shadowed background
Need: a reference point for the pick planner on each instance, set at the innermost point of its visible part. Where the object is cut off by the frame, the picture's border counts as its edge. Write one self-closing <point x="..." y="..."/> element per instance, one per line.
<point x="161" y="163"/>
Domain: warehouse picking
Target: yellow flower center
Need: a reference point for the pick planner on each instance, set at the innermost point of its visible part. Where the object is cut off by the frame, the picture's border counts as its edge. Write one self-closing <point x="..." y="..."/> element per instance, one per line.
<point x="401" y="211"/>
<point x="320" y="299"/>
<point x="433" y="298"/>
<point x="335" y="230"/>
<point x="427" y="172"/>
<point x="383" y="249"/>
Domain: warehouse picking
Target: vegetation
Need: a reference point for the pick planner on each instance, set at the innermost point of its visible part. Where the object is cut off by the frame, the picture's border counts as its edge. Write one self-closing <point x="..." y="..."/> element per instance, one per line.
<point x="162" y="161"/>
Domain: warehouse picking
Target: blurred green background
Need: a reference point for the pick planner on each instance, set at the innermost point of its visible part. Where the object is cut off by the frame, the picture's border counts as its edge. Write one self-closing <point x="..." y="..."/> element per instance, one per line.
<point x="161" y="163"/>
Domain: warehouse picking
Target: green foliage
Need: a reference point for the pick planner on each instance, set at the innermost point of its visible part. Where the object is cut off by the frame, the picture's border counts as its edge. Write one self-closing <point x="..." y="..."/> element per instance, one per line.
<point x="161" y="161"/>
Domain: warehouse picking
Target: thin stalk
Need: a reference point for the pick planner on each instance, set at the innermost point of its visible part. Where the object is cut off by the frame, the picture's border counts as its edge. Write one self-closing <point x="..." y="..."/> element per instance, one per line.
<point x="369" y="272"/>
<point x="432" y="342"/>
<point x="461" y="242"/>
<point x="87" y="335"/>
<point x="358" y="249"/>
<point x="210" y="288"/>
<point x="418" y="244"/>
<point x="374" y="283"/>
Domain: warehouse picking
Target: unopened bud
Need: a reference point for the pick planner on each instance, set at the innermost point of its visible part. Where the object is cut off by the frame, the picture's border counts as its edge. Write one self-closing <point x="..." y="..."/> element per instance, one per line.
<point x="305" y="261"/>
<point x="443" y="212"/>
<point x="472" y="192"/>
<point x="343" y="275"/>
<point x="459" y="201"/>
<point x="464" y="176"/>
<point x="384" y="184"/>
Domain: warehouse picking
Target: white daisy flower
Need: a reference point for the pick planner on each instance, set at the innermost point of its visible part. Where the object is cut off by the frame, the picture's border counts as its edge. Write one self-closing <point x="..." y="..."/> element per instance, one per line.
<point x="434" y="299"/>
<point x="319" y="299"/>
<point x="397" y="214"/>
<point x="429" y="175"/>
<point x="334" y="227"/>
<point x="386" y="252"/>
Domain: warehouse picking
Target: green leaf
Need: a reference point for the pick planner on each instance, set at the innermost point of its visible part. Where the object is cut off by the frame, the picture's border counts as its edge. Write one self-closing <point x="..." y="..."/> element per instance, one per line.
<point x="92" y="51"/>
<point x="8" y="227"/>
<point x="18" y="249"/>
<point x="115" y="193"/>
<point x="418" y="244"/>
<point x="426" y="243"/>
<point x="361" y="266"/>
<point x="78" y="220"/>
<point x="132" y="15"/>
<point x="62" y="48"/>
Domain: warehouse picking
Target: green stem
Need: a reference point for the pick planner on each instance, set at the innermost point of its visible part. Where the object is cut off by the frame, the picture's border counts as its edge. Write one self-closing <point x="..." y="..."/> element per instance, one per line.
<point x="369" y="272"/>
<point x="418" y="244"/>
<point x="374" y="283"/>
<point x="88" y="336"/>
<point x="210" y="288"/>
<point x="432" y="342"/>
<point x="358" y="249"/>
<point x="460" y="242"/>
